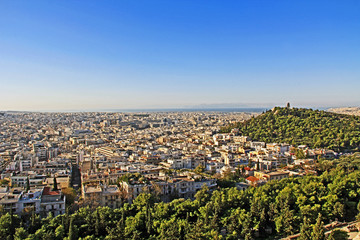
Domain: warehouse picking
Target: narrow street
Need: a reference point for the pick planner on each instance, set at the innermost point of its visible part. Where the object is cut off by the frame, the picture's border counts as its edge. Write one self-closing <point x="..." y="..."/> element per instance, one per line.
<point x="75" y="177"/>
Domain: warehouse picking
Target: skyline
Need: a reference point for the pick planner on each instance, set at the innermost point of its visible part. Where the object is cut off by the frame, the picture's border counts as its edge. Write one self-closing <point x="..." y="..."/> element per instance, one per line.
<point x="145" y="55"/>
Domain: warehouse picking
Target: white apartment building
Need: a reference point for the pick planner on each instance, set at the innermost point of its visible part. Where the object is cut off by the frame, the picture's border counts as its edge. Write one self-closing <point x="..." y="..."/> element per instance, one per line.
<point x="41" y="200"/>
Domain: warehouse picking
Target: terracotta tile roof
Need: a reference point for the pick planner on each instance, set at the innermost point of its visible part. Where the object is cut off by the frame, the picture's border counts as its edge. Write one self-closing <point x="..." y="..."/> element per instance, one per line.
<point x="252" y="179"/>
<point x="47" y="191"/>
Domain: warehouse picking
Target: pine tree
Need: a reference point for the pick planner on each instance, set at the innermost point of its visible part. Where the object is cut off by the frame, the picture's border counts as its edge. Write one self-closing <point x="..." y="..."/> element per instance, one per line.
<point x="148" y="219"/>
<point x="60" y="232"/>
<point x="27" y="185"/>
<point x="122" y="220"/>
<point x="214" y="224"/>
<point x="12" y="225"/>
<point x="206" y="221"/>
<point x="65" y="219"/>
<point x="20" y="234"/>
<point x="318" y="229"/>
<point x="55" y="185"/>
<point x="72" y="230"/>
<point x="33" y="221"/>
<point x="97" y="223"/>
<point x="305" y="232"/>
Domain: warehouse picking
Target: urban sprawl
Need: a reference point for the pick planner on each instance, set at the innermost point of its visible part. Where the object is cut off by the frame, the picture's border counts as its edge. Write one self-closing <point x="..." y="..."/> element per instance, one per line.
<point x="108" y="159"/>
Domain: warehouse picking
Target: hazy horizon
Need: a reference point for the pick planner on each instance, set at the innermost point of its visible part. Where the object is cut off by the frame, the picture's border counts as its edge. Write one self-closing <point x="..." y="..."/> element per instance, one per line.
<point x="206" y="108"/>
<point x="64" y="55"/>
<point x="184" y="107"/>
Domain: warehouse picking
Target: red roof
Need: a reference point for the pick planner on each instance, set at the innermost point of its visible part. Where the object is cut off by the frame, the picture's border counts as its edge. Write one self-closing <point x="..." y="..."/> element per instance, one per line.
<point x="252" y="179"/>
<point x="47" y="191"/>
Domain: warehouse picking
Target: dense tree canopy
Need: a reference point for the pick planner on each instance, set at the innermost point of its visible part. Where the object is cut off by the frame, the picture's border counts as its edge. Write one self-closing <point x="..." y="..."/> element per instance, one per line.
<point x="280" y="207"/>
<point x="298" y="126"/>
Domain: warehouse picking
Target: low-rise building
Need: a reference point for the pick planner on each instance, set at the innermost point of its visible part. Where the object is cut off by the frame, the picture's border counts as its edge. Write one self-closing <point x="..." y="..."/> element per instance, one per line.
<point x="104" y="195"/>
<point x="133" y="189"/>
<point x="41" y="201"/>
<point x="52" y="201"/>
<point x="269" y="176"/>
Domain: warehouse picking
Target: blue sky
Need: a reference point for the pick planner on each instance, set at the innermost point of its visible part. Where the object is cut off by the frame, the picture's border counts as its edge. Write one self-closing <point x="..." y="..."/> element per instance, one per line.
<point x="80" y="55"/>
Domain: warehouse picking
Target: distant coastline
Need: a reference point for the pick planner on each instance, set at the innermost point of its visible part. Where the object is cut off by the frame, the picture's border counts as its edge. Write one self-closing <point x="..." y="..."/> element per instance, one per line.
<point x="227" y="110"/>
<point x="154" y="110"/>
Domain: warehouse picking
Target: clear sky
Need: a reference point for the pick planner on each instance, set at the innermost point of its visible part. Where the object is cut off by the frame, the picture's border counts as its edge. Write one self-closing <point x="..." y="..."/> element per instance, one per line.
<point x="81" y="55"/>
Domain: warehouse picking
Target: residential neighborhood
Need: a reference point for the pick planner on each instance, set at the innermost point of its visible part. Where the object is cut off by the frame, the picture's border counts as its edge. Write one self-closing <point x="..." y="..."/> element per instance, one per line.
<point x="110" y="158"/>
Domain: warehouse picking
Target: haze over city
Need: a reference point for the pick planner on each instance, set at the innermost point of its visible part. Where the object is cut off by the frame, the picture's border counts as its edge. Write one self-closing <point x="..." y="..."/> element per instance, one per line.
<point x="86" y="55"/>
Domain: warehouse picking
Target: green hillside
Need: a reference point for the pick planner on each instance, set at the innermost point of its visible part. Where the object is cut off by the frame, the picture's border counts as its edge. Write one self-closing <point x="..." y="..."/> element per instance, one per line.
<point x="303" y="126"/>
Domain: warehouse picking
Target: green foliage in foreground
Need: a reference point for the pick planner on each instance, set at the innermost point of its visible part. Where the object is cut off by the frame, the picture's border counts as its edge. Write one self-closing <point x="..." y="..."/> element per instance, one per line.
<point x="298" y="126"/>
<point x="283" y="207"/>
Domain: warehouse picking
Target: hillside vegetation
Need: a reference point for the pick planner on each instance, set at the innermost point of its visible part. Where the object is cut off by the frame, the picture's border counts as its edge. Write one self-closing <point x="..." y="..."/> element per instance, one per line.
<point x="303" y="126"/>
<point x="275" y="210"/>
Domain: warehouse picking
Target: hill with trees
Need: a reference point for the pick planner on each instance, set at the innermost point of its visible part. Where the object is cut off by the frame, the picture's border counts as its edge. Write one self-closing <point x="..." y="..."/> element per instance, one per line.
<point x="275" y="210"/>
<point x="297" y="126"/>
